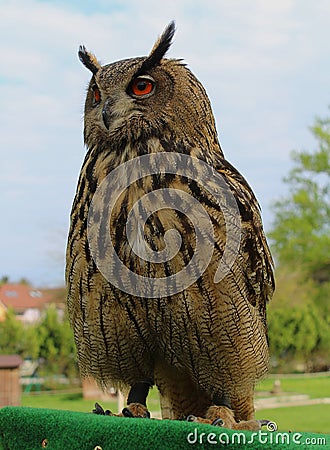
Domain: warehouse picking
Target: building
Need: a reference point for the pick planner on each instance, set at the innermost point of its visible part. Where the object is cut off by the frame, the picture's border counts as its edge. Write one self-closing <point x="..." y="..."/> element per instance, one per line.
<point x="10" y="389"/>
<point x="28" y="302"/>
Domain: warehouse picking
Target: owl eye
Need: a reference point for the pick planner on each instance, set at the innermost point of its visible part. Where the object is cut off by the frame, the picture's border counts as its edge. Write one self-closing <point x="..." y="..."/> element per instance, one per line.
<point x="142" y="86"/>
<point x="96" y="95"/>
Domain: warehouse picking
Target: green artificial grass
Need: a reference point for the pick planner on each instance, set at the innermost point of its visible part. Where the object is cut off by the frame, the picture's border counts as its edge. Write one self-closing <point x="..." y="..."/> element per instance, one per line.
<point x="31" y="429"/>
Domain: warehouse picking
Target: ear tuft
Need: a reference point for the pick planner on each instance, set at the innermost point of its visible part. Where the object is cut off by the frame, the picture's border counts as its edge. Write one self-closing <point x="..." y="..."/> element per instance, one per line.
<point x="159" y="49"/>
<point x="88" y="59"/>
<point x="163" y="43"/>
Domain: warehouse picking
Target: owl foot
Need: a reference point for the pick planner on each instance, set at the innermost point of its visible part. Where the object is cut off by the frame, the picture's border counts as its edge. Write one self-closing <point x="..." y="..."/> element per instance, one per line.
<point x="136" y="402"/>
<point x="136" y="410"/>
<point x="132" y="410"/>
<point x="100" y="411"/>
<point x="222" y="416"/>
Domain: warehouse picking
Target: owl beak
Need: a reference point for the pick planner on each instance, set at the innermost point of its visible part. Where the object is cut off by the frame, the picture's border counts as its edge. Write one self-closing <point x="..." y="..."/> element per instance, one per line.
<point x="105" y="114"/>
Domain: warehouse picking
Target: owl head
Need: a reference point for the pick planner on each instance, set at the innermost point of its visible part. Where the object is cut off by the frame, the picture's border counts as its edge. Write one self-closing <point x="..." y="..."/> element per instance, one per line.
<point x="145" y="97"/>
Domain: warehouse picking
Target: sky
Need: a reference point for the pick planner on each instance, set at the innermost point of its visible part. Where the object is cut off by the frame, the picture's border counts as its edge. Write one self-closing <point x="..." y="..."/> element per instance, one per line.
<point x="265" y="66"/>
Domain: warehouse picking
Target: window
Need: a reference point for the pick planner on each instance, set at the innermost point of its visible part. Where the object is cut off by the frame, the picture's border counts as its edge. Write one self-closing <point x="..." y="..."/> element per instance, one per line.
<point x="11" y="294"/>
<point x="35" y="294"/>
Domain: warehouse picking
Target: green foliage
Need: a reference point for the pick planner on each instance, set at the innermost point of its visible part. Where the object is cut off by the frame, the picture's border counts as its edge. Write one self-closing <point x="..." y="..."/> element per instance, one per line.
<point x="292" y="289"/>
<point x="11" y="334"/>
<point x="56" y="343"/>
<point x="301" y="231"/>
<point x="296" y="331"/>
<point x="51" y="340"/>
<point x="15" y="338"/>
<point x="4" y="279"/>
<point x="299" y="324"/>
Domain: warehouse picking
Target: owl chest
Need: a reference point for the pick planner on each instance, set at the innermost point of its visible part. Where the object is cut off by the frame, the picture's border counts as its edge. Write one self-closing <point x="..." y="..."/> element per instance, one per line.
<point x="151" y="226"/>
<point x="149" y="231"/>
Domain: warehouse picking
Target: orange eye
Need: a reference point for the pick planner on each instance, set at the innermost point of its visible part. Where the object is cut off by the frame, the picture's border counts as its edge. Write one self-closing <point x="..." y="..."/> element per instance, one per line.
<point x="142" y="86"/>
<point x="96" y="95"/>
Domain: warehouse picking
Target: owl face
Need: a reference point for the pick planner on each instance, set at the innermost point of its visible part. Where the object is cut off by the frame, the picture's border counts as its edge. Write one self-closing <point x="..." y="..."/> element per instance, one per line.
<point x="144" y="97"/>
<point x="119" y="94"/>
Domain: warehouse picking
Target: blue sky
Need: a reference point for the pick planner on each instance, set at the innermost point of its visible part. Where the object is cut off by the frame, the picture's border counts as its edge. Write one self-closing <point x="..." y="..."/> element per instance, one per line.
<point x="265" y="66"/>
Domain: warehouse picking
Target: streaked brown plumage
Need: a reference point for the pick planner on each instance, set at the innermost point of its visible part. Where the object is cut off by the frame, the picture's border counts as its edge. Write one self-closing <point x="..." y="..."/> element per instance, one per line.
<point x="206" y="345"/>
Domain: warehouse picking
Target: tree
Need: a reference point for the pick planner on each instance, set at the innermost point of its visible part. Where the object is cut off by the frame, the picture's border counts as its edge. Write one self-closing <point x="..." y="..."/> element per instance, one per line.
<point x="297" y="333"/>
<point x="299" y="319"/>
<point x="56" y="343"/>
<point x="51" y="340"/>
<point x="4" y="279"/>
<point x="301" y="229"/>
<point x="15" y="338"/>
<point x="11" y="334"/>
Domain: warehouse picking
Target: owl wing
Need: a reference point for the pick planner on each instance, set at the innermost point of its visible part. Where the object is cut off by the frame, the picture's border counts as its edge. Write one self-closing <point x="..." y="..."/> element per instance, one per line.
<point x="258" y="262"/>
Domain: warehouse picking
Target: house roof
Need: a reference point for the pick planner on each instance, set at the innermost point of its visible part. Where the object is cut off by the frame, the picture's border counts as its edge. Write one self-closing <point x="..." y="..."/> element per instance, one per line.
<point x="10" y="361"/>
<point x="21" y="297"/>
<point x="55" y="295"/>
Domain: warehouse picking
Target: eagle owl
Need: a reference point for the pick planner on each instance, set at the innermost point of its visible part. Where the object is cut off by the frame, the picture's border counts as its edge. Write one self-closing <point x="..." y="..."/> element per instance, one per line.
<point x="202" y="340"/>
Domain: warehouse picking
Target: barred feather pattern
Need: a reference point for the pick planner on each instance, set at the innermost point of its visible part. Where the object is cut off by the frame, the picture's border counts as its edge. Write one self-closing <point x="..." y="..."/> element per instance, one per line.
<point x="209" y="340"/>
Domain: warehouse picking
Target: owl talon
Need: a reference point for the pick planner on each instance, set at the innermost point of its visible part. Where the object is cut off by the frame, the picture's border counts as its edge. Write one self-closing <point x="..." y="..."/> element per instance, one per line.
<point x="136" y="410"/>
<point x="218" y="422"/>
<point x="100" y="411"/>
<point x="127" y="413"/>
<point x="132" y="410"/>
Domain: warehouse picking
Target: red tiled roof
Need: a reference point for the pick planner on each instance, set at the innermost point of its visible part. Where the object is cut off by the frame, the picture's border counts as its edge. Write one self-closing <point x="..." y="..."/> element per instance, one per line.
<point x="21" y="297"/>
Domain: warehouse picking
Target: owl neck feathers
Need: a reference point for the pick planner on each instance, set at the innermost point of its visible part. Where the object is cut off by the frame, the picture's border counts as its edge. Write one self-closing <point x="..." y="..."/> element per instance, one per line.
<point x="102" y="159"/>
